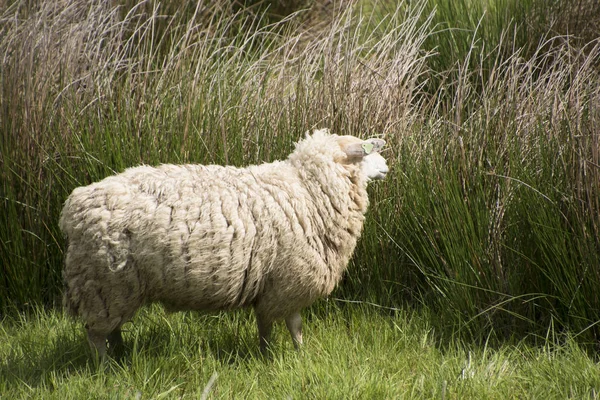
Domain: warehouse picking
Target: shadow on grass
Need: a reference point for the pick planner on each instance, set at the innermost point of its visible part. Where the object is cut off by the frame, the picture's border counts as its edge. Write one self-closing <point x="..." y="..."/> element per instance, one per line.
<point x="151" y="339"/>
<point x="500" y="330"/>
<point x="227" y="338"/>
<point x="33" y="365"/>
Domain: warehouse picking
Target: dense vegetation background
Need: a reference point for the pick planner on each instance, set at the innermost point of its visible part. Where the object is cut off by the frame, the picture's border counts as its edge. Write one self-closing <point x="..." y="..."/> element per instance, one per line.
<point x="490" y="217"/>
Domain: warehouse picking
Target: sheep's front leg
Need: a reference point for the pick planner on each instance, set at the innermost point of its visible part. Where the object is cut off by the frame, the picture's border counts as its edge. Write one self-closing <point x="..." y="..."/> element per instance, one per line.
<point x="265" y="326"/>
<point x="115" y="341"/>
<point x="294" y="325"/>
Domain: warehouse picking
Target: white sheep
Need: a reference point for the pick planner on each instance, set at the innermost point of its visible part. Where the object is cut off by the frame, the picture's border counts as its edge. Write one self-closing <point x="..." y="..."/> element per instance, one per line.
<point x="274" y="236"/>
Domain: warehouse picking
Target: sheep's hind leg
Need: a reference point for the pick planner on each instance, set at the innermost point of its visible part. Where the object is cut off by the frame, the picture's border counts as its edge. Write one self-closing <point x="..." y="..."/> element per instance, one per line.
<point x="97" y="343"/>
<point x="265" y="326"/>
<point x="294" y="325"/>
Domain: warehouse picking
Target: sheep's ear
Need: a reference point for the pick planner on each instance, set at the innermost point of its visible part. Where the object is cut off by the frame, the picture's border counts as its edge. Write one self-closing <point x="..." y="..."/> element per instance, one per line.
<point x="376" y="143"/>
<point x="361" y="149"/>
<point x="357" y="150"/>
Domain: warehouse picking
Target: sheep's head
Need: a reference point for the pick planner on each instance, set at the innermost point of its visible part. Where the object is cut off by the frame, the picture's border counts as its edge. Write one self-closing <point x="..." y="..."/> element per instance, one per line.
<point x="365" y="152"/>
<point x="348" y="151"/>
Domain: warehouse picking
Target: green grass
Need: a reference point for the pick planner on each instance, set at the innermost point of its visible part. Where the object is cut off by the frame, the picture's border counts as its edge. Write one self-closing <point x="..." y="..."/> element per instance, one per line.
<point x="351" y="351"/>
<point x="488" y="224"/>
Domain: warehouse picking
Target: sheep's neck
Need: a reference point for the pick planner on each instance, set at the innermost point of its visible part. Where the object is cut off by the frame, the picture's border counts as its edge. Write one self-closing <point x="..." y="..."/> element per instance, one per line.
<point x="341" y="219"/>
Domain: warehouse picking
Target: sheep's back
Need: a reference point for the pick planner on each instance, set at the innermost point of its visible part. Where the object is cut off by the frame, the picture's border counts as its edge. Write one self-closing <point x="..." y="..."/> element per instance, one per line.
<point x="213" y="242"/>
<point x="199" y="237"/>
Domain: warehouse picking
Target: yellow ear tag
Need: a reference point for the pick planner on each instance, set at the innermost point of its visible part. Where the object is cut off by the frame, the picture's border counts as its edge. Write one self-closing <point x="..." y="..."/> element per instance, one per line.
<point x="367" y="147"/>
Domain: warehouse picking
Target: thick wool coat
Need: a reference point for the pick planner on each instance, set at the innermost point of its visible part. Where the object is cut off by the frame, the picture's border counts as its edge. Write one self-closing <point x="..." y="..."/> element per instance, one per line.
<point x="275" y="236"/>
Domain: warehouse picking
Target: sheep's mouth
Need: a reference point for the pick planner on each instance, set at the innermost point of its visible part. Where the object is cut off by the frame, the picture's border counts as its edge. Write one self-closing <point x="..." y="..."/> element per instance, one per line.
<point x="380" y="175"/>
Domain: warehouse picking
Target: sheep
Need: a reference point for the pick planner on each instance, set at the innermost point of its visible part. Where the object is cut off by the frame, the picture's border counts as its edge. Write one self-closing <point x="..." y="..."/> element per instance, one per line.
<point x="275" y="236"/>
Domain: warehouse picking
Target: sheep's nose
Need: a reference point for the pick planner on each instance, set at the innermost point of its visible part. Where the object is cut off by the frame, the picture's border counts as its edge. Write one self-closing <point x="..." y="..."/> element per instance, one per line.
<point x="384" y="171"/>
<point x="381" y="173"/>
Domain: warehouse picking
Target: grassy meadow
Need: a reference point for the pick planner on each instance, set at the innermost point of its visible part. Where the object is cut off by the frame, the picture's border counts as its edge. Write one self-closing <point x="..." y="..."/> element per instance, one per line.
<point x="350" y="352"/>
<point x="478" y="271"/>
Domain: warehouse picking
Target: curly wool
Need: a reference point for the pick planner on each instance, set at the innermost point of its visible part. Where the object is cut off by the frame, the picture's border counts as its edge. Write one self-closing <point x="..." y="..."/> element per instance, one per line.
<point x="275" y="236"/>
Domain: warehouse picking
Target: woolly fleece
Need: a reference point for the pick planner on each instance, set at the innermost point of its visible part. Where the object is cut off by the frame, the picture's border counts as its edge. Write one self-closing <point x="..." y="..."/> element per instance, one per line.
<point x="274" y="236"/>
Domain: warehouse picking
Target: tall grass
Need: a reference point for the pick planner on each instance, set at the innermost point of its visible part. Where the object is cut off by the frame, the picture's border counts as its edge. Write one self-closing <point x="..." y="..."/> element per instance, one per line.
<point x="490" y="215"/>
<point x="495" y="207"/>
<point x="90" y="88"/>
